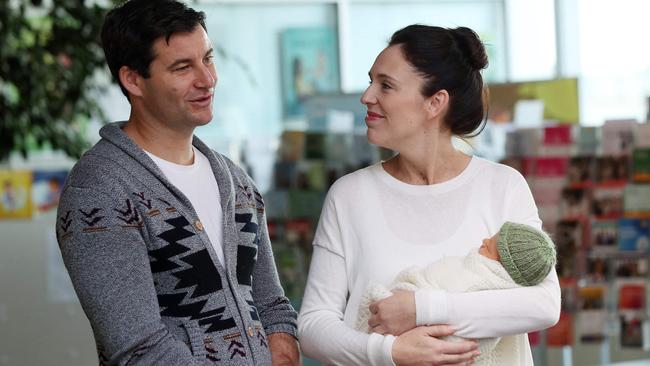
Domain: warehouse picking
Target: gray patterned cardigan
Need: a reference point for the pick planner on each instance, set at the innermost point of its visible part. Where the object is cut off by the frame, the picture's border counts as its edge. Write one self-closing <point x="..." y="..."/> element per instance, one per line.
<point x="146" y="274"/>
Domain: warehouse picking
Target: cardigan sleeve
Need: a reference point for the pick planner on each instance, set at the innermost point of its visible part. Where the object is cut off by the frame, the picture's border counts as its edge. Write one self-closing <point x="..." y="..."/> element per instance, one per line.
<point x="496" y="313"/>
<point x="275" y="310"/>
<point x="110" y="271"/>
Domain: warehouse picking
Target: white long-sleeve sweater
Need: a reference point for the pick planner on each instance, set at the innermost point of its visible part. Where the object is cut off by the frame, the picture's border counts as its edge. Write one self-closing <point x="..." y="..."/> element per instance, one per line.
<point x="373" y="225"/>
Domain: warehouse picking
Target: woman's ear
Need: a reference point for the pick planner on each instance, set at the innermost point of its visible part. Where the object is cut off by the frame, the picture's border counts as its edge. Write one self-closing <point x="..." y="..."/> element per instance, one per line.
<point x="437" y="104"/>
<point x="131" y="80"/>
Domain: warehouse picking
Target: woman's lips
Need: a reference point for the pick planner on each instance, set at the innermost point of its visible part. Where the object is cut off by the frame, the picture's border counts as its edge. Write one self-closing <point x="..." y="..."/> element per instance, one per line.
<point x="372" y="116"/>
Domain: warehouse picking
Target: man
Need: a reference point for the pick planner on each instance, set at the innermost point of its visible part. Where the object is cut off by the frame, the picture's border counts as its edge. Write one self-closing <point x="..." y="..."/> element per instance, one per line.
<point x="165" y="240"/>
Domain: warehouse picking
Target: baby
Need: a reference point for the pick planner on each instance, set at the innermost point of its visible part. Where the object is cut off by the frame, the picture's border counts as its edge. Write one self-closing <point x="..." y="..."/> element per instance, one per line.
<point x="518" y="255"/>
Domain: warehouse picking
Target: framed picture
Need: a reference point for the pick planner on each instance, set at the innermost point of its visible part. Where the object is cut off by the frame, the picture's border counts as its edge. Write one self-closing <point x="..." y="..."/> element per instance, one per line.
<point x="310" y="66"/>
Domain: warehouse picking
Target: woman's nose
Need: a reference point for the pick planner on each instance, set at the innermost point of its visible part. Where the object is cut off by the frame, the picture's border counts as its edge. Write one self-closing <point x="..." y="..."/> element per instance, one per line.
<point x="367" y="97"/>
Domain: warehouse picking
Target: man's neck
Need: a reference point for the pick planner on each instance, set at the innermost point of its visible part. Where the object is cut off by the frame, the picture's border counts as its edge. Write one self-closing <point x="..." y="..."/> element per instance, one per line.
<point x="162" y="141"/>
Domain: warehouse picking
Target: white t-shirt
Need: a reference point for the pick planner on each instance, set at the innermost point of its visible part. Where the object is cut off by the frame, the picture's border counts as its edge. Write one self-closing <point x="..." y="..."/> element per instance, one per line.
<point x="373" y="225"/>
<point x="198" y="184"/>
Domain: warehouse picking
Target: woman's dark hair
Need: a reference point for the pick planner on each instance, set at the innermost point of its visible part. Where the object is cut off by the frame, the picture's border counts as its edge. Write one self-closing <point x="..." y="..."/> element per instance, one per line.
<point x="130" y="30"/>
<point x="449" y="59"/>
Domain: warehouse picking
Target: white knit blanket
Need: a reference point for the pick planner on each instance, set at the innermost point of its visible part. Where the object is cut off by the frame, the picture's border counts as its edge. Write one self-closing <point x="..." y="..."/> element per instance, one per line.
<point x="473" y="272"/>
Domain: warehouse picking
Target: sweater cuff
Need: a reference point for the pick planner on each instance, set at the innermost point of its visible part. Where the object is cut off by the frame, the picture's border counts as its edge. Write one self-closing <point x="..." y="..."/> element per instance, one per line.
<point x="380" y="349"/>
<point x="282" y="328"/>
<point x="431" y="307"/>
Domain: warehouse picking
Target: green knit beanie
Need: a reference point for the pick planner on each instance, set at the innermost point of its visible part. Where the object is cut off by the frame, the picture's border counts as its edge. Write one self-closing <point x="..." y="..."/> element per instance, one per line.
<point x="527" y="254"/>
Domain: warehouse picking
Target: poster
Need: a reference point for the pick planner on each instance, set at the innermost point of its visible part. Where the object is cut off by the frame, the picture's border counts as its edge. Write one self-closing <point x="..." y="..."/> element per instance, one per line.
<point x="310" y="66"/>
<point x="15" y="194"/>
<point x="46" y="189"/>
<point x="560" y="97"/>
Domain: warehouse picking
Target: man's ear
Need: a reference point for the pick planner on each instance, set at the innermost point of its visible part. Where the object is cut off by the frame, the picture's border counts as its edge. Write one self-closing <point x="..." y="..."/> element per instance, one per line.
<point x="131" y="80"/>
<point x="437" y="104"/>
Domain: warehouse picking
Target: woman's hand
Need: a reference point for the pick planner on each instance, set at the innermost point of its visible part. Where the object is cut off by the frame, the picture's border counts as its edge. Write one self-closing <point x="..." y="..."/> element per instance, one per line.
<point x="393" y="315"/>
<point x="420" y="346"/>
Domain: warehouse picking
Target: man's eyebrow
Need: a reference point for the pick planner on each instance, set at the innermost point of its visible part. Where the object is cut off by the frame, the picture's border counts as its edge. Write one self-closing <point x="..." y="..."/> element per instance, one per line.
<point x="187" y="60"/>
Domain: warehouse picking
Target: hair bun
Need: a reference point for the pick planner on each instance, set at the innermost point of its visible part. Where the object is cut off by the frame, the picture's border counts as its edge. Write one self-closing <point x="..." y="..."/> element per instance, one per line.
<point x="471" y="47"/>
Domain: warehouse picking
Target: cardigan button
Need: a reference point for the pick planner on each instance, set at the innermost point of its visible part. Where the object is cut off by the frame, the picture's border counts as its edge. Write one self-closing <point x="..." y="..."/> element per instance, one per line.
<point x="250" y="331"/>
<point x="198" y="225"/>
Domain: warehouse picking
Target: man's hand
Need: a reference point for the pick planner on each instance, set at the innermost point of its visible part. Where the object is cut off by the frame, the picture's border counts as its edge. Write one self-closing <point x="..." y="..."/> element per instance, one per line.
<point x="393" y="315"/>
<point x="284" y="349"/>
<point x="420" y="346"/>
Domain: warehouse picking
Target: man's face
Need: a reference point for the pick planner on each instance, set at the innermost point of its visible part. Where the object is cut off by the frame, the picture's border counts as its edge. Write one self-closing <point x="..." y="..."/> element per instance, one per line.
<point x="180" y="88"/>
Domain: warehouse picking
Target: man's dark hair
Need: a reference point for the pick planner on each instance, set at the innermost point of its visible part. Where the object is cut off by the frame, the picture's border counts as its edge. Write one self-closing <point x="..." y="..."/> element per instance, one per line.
<point x="130" y="30"/>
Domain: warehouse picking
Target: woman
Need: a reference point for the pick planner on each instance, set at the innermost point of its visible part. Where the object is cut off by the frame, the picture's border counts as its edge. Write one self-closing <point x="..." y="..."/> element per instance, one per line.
<point x="427" y="202"/>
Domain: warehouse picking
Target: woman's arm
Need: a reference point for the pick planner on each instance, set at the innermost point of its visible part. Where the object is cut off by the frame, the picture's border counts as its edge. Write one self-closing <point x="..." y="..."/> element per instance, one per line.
<point x="325" y="337"/>
<point x="323" y="334"/>
<point x="493" y="313"/>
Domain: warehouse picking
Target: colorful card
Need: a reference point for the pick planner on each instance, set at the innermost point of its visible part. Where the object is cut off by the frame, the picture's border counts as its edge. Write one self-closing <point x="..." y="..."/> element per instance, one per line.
<point x="575" y="203"/>
<point x="581" y="171"/>
<point x="15" y="194"/>
<point x="607" y="202"/>
<point x="636" y="200"/>
<point x="632" y="329"/>
<point x="618" y="137"/>
<point x="46" y="189"/>
<point x="631" y="294"/>
<point x="592" y="297"/>
<point x="592" y="326"/>
<point x="604" y="236"/>
<point x="612" y="169"/>
<point x="633" y="235"/>
<point x="641" y="165"/>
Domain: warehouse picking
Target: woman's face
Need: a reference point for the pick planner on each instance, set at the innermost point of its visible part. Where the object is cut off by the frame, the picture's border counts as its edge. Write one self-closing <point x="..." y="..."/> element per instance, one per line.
<point x="397" y="112"/>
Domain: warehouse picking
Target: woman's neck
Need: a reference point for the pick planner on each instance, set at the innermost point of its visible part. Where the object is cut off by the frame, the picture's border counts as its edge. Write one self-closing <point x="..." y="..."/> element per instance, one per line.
<point x="436" y="164"/>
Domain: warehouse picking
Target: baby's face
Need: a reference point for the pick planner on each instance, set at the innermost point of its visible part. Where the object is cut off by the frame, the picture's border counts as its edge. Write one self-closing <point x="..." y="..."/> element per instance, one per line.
<point x="489" y="248"/>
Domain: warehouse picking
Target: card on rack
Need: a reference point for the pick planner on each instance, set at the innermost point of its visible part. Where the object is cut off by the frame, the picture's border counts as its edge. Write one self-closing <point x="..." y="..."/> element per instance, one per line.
<point x="630" y="267"/>
<point x="607" y="202"/>
<point x="557" y="140"/>
<point x="643" y="135"/>
<point x="612" y="169"/>
<point x="636" y="201"/>
<point x="591" y="326"/>
<point x="580" y="172"/>
<point x="632" y="329"/>
<point x="633" y="235"/>
<point x="588" y="140"/>
<point x="592" y="297"/>
<point x="618" y="136"/>
<point x="597" y="269"/>
<point x="604" y="236"/>
<point x="574" y="203"/>
<point x="631" y="294"/>
<point x="641" y="165"/>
